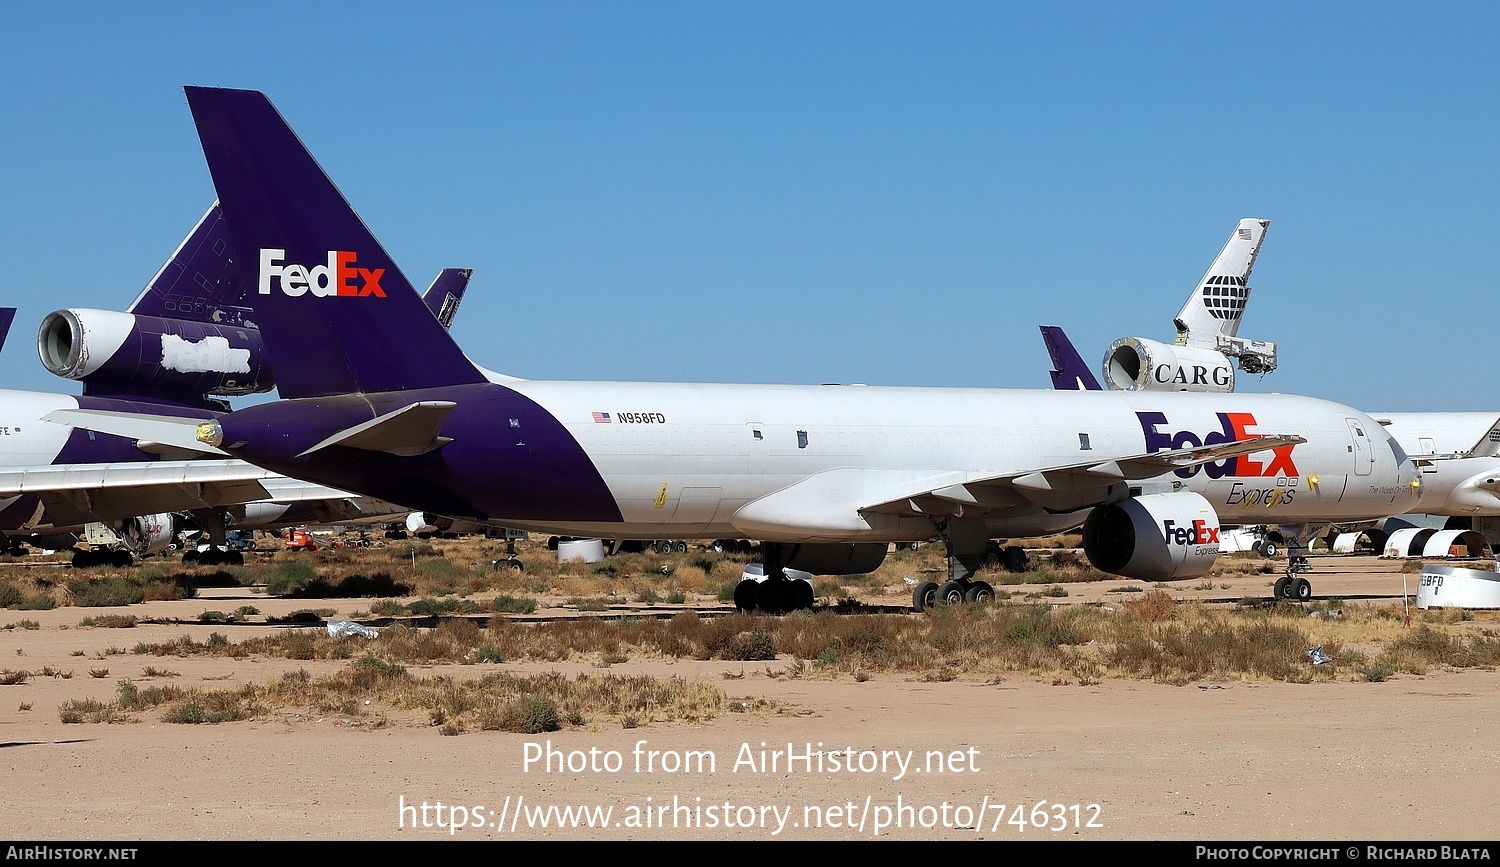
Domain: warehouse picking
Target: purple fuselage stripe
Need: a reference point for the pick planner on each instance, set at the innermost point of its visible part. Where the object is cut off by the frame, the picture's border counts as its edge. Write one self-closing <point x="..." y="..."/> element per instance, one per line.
<point x="510" y="459"/>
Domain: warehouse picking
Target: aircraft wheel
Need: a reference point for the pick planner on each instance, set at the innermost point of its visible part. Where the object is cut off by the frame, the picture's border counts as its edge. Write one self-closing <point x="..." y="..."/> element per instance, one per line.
<point x="190" y="555"/>
<point x="1015" y="559"/>
<point x="951" y="593"/>
<point x="510" y="564"/>
<point x="924" y="596"/>
<point x="1280" y="590"/>
<point x="1302" y="589"/>
<point x="980" y="591"/>
<point x="1268" y="548"/>
<point x="773" y="596"/>
<point x="802" y="596"/>
<point x="679" y="547"/>
<point x="120" y="559"/>
<point x="744" y="595"/>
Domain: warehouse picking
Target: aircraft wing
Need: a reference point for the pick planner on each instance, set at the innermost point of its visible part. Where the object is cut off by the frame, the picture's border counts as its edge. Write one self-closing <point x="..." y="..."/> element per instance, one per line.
<point x="1070" y="486"/>
<point x="79" y="493"/>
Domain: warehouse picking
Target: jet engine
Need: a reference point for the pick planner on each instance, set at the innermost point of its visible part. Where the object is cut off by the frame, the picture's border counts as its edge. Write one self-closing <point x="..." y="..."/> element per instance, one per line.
<point x="1138" y="364"/>
<point x="125" y="350"/>
<point x="836" y="559"/>
<point x="1154" y="537"/>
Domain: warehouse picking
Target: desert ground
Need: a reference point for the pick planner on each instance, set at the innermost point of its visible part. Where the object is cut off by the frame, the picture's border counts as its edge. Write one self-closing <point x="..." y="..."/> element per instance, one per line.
<point x="799" y="752"/>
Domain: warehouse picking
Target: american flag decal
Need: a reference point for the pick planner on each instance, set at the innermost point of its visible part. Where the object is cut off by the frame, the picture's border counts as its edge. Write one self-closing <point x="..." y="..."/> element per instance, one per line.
<point x="1244" y="234"/>
<point x="601" y="418"/>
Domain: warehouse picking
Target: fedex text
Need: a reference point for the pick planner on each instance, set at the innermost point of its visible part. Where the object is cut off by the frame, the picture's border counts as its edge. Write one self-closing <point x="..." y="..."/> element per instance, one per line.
<point x="340" y="275"/>
<point x="1233" y="427"/>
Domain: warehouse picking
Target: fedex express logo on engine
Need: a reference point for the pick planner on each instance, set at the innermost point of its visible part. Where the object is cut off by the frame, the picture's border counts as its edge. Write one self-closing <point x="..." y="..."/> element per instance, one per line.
<point x="1233" y="427"/>
<point x="1200" y="532"/>
<point x="340" y="275"/>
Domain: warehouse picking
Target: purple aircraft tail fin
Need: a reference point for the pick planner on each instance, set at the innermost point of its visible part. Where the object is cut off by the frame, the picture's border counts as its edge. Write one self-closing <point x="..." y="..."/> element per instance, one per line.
<point x="334" y="310"/>
<point x="7" y="316"/>
<point x="1069" y="373"/>
<point x="202" y="281"/>
<point x="446" y="293"/>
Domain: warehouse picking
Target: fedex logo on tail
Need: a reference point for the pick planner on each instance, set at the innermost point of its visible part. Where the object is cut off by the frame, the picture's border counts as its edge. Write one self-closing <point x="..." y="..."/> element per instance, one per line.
<point x="1200" y="532"/>
<point x="1233" y="427"/>
<point x="340" y="275"/>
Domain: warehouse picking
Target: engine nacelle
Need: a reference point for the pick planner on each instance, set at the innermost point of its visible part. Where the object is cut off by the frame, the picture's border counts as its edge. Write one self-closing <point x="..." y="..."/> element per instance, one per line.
<point x="836" y="559"/>
<point x="1138" y="364"/>
<point x="106" y="347"/>
<point x="1154" y="537"/>
<point x="142" y="535"/>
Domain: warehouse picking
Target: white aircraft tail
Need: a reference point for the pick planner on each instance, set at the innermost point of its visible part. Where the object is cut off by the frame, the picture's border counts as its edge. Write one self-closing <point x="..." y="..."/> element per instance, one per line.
<point x="1216" y="305"/>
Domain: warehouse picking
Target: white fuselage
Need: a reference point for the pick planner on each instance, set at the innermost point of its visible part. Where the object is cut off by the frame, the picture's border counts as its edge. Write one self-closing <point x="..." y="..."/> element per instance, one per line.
<point x="807" y="463"/>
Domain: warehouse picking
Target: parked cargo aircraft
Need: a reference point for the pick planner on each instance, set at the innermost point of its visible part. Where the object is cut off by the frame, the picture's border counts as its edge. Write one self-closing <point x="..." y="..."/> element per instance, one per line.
<point x="380" y="400"/>
<point x="1457" y="453"/>
<point x="185" y="343"/>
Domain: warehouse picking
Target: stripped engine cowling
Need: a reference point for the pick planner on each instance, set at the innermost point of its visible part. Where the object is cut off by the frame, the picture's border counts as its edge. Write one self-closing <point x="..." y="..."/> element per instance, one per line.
<point x="1138" y="364"/>
<point x="426" y="523"/>
<point x="1154" y="537"/>
<point x="109" y="348"/>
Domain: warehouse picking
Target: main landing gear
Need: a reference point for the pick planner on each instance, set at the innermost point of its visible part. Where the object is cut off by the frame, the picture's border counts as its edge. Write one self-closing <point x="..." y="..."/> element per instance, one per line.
<point x="776" y="594"/>
<point x="969" y="549"/>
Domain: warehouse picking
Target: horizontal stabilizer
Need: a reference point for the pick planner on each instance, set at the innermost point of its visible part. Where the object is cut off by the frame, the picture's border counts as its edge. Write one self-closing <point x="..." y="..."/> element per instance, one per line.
<point x="410" y="430"/>
<point x="158" y="431"/>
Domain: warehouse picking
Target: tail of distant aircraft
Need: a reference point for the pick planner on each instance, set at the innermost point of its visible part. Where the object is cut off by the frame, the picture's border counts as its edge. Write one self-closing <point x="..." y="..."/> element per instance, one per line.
<point x="1218" y="302"/>
<point x="328" y="298"/>
<point x="446" y="293"/>
<point x="7" y="316"/>
<point x="202" y="281"/>
<point x="1069" y="373"/>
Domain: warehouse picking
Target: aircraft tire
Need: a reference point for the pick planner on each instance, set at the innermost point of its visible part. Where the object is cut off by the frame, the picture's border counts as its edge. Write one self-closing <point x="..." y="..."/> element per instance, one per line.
<point x="1015" y="559"/>
<point x="802" y="596"/>
<point x="981" y="592"/>
<point x="744" y="595"/>
<point x="1279" y="591"/>
<point x="924" y="596"/>
<point x="1301" y="589"/>
<point x="773" y="596"/>
<point x="1268" y="548"/>
<point x="951" y="593"/>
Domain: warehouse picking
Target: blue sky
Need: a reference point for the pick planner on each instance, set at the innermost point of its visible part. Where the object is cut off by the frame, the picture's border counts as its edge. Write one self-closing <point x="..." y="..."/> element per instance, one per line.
<point x="888" y="193"/>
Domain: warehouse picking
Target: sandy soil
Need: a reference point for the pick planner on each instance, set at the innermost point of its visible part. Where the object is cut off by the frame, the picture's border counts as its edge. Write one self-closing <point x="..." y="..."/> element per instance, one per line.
<point x="1413" y="758"/>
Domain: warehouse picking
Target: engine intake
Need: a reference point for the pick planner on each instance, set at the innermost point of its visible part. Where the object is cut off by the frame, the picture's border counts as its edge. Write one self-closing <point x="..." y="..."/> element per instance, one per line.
<point x="125" y="350"/>
<point x="1138" y="364"/>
